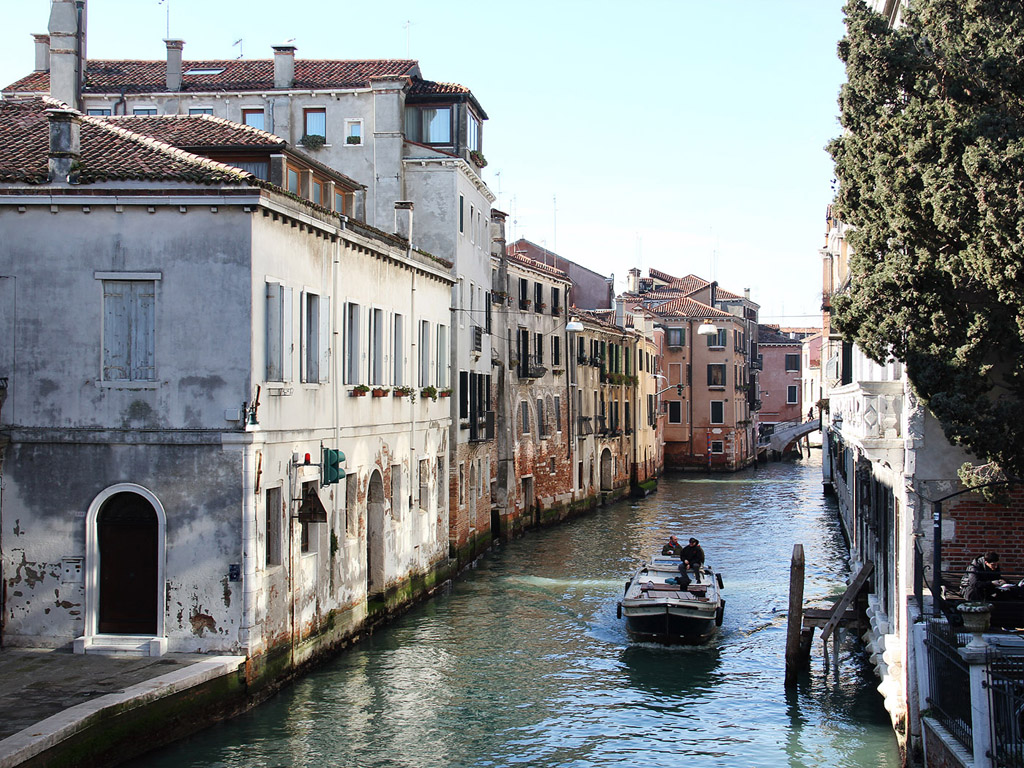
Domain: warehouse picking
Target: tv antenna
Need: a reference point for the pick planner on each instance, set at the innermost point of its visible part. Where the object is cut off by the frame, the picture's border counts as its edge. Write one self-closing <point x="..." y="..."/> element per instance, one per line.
<point x="161" y="2"/>
<point x="238" y="42"/>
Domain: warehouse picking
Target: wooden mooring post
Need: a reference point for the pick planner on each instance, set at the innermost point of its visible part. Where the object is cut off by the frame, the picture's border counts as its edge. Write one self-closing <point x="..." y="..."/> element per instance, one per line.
<point x="796" y="615"/>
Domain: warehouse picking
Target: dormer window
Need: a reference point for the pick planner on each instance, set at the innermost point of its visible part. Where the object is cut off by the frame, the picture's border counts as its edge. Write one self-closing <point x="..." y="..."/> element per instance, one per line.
<point x="429" y="125"/>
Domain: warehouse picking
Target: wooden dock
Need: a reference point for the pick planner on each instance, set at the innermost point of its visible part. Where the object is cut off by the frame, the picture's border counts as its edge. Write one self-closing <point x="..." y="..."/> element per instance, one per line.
<point x="844" y="615"/>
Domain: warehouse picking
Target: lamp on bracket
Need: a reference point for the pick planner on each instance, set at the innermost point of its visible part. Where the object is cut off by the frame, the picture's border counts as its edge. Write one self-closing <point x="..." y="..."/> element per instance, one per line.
<point x="707" y="329"/>
<point x="574" y="325"/>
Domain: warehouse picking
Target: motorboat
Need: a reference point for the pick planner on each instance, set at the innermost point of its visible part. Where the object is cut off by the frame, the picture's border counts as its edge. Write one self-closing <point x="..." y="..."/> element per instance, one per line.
<point x="657" y="608"/>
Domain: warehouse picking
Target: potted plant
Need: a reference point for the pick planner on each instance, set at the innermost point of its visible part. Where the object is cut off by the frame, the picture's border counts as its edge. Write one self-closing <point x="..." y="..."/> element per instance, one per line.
<point x="359" y="390"/>
<point x="446" y="392"/>
<point x="402" y="391"/>
<point x="478" y="158"/>
<point x="380" y="391"/>
<point x="429" y="391"/>
<point x="312" y="140"/>
<point x="353" y="139"/>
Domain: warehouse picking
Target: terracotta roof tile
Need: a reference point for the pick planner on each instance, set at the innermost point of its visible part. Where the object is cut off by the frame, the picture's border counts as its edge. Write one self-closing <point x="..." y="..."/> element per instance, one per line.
<point x="197" y="131"/>
<point x="108" y="152"/>
<point x="686" y="307"/>
<point x="526" y="261"/>
<point x="133" y="76"/>
<point x="429" y="87"/>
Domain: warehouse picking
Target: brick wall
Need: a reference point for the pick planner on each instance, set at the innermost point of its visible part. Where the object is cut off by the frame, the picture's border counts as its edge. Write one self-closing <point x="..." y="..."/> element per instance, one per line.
<point x="980" y="526"/>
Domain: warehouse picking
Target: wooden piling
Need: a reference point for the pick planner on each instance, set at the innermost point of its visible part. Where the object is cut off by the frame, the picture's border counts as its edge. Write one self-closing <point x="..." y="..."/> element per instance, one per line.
<point x="796" y="615"/>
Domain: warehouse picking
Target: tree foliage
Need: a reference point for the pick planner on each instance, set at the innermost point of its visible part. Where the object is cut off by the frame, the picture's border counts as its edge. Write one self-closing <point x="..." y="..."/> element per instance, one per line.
<point x="931" y="178"/>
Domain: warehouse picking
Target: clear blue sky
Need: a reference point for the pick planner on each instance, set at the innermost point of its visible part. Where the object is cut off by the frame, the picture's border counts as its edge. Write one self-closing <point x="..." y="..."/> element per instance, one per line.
<point x="684" y="135"/>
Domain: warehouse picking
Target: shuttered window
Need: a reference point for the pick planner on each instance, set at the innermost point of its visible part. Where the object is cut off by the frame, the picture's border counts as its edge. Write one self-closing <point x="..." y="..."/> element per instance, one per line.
<point x="129" y="333"/>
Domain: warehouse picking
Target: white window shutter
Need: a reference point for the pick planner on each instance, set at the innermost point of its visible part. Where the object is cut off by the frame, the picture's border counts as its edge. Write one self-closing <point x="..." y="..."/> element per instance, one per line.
<point x="288" y="341"/>
<point x="325" y="338"/>
<point x="143" y="331"/>
<point x="115" y="330"/>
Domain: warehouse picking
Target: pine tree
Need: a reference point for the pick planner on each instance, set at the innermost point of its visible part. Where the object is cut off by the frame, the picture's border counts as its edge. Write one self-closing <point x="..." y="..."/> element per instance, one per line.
<point x="931" y="178"/>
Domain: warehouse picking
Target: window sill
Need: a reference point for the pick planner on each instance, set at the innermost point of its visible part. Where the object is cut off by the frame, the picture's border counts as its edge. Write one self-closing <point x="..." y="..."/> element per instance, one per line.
<point x="717" y="387"/>
<point x="128" y="384"/>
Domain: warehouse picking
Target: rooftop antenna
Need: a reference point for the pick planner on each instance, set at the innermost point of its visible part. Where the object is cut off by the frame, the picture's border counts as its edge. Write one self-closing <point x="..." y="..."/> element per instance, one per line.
<point x="161" y="2"/>
<point x="408" y="28"/>
<point x="554" y="226"/>
<point x="238" y="42"/>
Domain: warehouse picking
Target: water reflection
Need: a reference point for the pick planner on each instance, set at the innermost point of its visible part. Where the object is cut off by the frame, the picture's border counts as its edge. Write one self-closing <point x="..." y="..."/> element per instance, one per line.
<point x="524" y="662"/>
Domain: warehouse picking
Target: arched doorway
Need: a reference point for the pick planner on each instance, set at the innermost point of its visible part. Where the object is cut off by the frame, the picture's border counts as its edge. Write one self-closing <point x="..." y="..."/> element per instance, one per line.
<point x="375" y="534"/>
<point x="125" y="534"/>
<point x="606" y="470"/>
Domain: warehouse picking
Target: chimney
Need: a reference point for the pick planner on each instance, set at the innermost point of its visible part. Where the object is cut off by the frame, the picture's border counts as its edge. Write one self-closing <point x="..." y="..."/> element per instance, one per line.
<point x="174" y="48"/>
<point x="499" y="248"/>
<point x="633" y="280"/>
<point x="42" y="53"/>
<point x="403" y="220"/>
<point x="67" y="32"/>
<point x="714" y="293"/>
<point x="65" y="150"/>
<point x="284" y="66"/>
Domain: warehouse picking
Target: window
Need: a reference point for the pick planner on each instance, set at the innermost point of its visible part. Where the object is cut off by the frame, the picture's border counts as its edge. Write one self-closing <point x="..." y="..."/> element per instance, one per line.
<point x="538" y="297"/>
<point x="279" y="333"/>
<point x="353" y="349"/>
<point x="254" y="118"/>
<point x="293" y="181"/>
<point x="716" y="375"/>
<point x="315" y="122"/>
<point x="396" y="492"/>
<point x="129" y="332"/>
<point x="462" y="214"/>
<point x="791" y="394"/>
<point x="462" y="484"/>
<point x="541" y="425"/>
<point x="424" y="353"/>
<point x="538" y="348"/>
<point x="351" y="504"/>
<point x="463" y="394"/>
<point x="353" y="133"/>
<point x="442" y="485"/>
<point x="556" y="412"/>
<point x="341" y="203"/>
<point x="473" y="139"/>
<point x="308" y="535"/>
<point x="442" y="356"/>
<point x="675" y="412"/>
<point x="376" y="349"/>
<point x="718" y="339"/>
<point x="272" y="525"/>
<point x="258" y="168"/>
<point x="718" y="412"/>
<point x="524" y="412"/>
<point x="676" y="337"/>
<point x="556" y="301"/>
<point x="792" y="362"/>
<point x="98" y="112"/>
<point x="316" y="329"/>
<point x="424" y="477"/>
<point x="200" y="110"/>
<point x="398" y="378"/>
<point x="472" y="222"/>
<point x="318" y="192"/>
<point x="717" y="446"/>
<point x="556" y="350"/>
<point x="144" y="111"/>
<point x="429" y="125"/>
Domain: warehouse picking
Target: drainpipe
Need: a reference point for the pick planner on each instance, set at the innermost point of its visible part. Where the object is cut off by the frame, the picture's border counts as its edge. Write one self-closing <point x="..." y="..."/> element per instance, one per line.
<point x="249" y="548"/>
<point x="403" y="228"/>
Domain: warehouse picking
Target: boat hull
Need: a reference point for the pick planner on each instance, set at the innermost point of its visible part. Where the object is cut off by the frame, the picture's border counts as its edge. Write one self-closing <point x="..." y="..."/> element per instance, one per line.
<point x="661" y="625"/>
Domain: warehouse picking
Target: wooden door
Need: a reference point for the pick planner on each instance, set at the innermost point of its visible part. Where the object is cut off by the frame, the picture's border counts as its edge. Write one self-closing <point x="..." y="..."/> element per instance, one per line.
<point x="127" y="537"/>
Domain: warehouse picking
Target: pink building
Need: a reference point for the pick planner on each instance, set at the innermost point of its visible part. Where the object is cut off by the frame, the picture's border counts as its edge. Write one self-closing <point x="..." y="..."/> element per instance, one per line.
<point x="781" y="364"/>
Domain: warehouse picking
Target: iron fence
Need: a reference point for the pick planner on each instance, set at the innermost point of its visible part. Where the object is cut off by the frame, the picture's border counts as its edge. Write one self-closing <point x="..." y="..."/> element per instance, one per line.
<point x="948" y="680"/>
<point x="1005" y="681"/>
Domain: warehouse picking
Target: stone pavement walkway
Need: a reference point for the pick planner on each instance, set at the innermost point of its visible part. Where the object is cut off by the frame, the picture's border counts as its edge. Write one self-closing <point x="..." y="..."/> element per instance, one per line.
<point x="45" y="695"/>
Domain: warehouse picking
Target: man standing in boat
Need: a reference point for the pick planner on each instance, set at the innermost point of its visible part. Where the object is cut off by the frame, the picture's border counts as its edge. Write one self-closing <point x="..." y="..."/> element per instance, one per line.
<point x="672" y="547"/>
<point x="692" y="558"/>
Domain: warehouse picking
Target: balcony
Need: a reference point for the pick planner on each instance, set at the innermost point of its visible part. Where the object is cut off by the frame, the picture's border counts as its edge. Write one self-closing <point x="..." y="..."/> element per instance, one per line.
<point x="531" y="367"/>
<point x="586" y="426"/>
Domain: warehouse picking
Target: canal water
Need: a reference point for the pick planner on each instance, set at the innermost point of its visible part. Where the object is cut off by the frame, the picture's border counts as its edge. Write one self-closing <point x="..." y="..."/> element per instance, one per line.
<point x="523" y="661"/>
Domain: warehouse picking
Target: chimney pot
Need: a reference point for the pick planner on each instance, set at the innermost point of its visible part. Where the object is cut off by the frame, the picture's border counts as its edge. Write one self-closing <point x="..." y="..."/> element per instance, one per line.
<point x="174" y="49"/>
<point x="284" y="66"/>
<point x="42" y="53"/>
<point x="65" y="150"/>
<point x="403" y="219"/>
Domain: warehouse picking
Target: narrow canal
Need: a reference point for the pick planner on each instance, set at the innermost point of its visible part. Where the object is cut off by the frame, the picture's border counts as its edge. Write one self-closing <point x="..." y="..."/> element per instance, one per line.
<point x="523" y="661"/>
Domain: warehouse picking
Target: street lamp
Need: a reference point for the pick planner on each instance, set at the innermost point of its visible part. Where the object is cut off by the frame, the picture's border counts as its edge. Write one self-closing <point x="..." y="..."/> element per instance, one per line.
<point x="574" y="325"/>
<point x="707" y="329"/>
